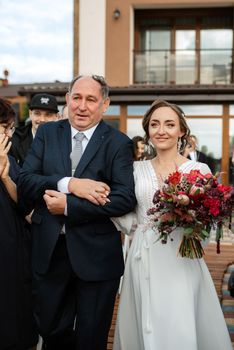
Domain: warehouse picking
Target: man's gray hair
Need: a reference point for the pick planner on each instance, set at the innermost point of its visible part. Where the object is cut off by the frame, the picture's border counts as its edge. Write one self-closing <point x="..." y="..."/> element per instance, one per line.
<point x="97" y="78"/>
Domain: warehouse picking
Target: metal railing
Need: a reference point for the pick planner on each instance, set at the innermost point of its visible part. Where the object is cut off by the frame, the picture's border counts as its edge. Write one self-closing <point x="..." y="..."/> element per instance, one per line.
<point x="204" y="66"/>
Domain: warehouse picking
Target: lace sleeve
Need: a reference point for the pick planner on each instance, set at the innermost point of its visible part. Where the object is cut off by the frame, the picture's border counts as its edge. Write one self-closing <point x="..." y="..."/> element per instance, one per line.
<point x="204" y="169"/>
<point x="126" y="223"/>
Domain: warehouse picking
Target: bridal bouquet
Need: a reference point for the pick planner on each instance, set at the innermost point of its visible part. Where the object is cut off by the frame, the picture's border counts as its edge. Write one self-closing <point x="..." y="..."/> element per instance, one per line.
<point x="195" y="202"/>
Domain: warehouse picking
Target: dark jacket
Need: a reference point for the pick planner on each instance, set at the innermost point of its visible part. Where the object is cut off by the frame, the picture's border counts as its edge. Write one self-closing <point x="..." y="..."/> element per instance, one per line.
<point x="21" y="142"/>
<point x="17" y="330"/>
<point x="93" y="243"/>
<point x="203" y="158"/>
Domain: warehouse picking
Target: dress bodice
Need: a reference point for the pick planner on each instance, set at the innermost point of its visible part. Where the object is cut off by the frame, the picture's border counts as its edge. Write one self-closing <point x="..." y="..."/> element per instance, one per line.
<point x="146" y="184"/>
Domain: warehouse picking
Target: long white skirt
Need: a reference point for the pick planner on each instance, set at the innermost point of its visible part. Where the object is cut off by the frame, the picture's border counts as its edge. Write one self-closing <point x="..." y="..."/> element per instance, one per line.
<point x="167" y="302"/>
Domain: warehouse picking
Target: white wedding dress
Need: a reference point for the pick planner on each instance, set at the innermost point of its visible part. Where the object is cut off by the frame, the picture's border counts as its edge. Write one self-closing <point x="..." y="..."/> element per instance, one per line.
<point x="167" y="302"/>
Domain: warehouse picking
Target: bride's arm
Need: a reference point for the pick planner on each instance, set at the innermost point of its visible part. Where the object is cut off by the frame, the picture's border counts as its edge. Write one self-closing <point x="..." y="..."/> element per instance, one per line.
<point x="126" y="224"/>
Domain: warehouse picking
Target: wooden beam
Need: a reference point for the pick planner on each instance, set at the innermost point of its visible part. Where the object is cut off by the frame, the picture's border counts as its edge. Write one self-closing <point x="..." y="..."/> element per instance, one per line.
<point x="123" y="118"/>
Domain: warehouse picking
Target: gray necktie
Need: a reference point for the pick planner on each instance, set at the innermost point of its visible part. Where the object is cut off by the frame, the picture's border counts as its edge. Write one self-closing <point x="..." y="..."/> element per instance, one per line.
<point x="77" y="151"/>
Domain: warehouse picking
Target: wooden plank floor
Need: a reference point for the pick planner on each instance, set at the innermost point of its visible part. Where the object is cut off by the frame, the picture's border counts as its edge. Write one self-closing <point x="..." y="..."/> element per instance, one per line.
<point x="217" y="264"/>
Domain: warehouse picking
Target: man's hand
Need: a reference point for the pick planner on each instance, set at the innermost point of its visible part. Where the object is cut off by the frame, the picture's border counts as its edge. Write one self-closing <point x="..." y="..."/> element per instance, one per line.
<point x="55" y="202"/>
<point x="94" y="191"/>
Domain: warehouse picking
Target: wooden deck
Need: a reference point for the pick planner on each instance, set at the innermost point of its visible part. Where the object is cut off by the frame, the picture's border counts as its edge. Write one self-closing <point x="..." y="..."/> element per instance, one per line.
<point x="218" y="263"/>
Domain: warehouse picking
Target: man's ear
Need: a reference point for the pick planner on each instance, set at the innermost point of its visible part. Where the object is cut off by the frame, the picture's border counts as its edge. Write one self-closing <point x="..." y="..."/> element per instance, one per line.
<point x="106" y="104"/>
<point x="67" y="97"/>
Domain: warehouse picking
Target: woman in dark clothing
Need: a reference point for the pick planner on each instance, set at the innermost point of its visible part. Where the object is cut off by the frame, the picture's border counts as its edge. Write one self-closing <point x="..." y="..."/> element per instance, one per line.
<point x="17" y="330"/>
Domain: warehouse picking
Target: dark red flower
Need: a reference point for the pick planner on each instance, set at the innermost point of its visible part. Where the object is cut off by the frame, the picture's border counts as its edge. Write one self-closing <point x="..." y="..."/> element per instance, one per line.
<point x="195" y="202"/>
<point x="174" y="178"/>
<point x="213" y="204"/>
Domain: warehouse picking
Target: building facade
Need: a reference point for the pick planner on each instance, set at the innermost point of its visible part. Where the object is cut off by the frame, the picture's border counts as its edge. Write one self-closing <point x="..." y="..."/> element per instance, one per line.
<point x="181" y="51"/>
<point x="177" y="50"/>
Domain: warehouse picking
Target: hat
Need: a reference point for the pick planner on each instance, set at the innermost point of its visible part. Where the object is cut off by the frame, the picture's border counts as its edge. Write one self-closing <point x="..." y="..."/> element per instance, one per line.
<point x="44" y="101"/>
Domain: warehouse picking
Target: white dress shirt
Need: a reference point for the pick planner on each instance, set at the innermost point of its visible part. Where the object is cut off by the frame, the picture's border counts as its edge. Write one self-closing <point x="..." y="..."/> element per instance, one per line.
<point x="62" y="184"/>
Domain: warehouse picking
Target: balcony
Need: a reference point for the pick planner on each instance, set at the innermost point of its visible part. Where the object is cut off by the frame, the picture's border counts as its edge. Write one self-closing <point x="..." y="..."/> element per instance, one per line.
<point x="190" y="67"/>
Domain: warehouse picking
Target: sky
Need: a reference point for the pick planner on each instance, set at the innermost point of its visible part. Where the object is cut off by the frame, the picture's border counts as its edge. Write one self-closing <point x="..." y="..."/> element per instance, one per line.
<point x="36" y="40"/>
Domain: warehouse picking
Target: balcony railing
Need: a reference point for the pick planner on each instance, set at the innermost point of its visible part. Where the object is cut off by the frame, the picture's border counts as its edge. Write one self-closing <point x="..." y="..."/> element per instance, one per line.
<point x="208" y="66"/>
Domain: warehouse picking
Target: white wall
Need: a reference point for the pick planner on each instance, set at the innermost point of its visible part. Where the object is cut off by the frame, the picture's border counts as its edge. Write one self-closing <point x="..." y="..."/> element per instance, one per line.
<point x="92" y="23"/>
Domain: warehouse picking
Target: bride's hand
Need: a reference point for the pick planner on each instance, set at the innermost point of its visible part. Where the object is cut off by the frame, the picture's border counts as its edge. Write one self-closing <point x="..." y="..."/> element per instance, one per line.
<point x="94" y="191"/>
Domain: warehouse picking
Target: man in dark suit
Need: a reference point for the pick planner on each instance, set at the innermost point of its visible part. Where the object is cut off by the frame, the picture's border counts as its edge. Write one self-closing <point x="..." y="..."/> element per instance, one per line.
<point x="77" y="251"/>
<point x="191" y="152"/>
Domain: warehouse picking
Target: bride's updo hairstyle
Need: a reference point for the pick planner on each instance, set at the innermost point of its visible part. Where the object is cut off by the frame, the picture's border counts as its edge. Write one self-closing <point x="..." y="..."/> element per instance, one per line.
<point x="183" y="124"/>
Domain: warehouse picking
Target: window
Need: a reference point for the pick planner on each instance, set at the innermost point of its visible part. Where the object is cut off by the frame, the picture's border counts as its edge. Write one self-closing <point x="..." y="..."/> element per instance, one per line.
<point x="183" y="46"/>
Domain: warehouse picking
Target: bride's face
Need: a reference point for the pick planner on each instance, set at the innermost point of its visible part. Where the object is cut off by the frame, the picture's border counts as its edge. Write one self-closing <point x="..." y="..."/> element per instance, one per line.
<point x="164" y="128"/>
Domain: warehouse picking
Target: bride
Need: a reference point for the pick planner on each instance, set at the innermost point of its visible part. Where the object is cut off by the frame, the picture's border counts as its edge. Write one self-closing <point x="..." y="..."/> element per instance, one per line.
<point x="167" y="302"/>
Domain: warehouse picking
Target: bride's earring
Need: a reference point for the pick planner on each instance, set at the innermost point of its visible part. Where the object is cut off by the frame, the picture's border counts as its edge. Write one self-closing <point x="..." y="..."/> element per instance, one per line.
<point x="179" y="144"/>
<point x="150" y="149"/>
<point x="150" y="143"/>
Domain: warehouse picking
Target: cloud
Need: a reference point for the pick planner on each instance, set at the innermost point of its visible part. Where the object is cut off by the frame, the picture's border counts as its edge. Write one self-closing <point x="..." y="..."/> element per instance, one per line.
<point x="36" y="40"/>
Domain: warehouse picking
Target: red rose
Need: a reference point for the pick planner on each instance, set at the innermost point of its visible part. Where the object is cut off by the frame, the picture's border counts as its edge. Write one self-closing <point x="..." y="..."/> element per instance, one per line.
<point x="193" y="176"/>
<point x="174" y="178"/>
<point x="223" y="188"/>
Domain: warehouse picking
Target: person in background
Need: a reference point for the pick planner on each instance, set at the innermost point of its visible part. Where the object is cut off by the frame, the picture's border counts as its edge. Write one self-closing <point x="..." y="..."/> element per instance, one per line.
<point x="43" y="108"/>
<point x="138" y="147"/>
<point x="17" y="328"/>
<point x="191" y="151"/>
<point x="78" y="174"/>
<point x="64" y="112"/>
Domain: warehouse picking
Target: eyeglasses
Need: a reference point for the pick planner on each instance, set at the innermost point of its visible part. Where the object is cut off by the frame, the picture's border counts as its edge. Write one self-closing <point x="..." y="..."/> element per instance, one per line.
<point x="6" y="129"/>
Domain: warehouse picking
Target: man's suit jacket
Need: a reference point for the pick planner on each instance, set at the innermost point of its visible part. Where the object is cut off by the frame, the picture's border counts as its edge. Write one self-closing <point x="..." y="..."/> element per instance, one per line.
<point x="203" y="158"/>
<point x="94" y="245"/>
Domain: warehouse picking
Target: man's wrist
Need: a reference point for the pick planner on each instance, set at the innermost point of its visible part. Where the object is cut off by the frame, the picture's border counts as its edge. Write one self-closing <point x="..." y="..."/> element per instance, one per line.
<point x="71" y="184"/>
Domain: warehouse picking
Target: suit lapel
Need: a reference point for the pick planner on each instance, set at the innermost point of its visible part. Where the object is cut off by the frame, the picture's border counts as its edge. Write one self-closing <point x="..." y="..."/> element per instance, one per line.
<point x="64" y="131"/>
<point x="92" y="148"/>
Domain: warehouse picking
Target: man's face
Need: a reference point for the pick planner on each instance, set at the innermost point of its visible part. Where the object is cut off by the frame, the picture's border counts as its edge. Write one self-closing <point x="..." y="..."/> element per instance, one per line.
<point x="86" y="104"/>
<point x="41" y="116"/>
